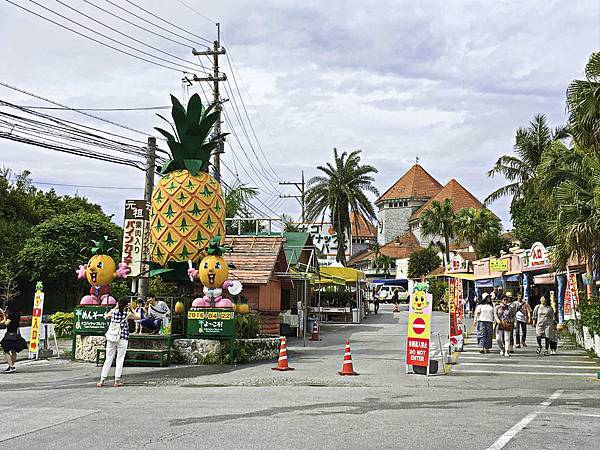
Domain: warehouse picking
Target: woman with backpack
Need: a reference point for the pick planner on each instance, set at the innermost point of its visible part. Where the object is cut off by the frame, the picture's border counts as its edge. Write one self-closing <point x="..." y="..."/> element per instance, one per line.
<point x="545" y="326"/>
<point x="117" y="338"/>
<point x="12" y="342"/>
<point x="505" y="319"/>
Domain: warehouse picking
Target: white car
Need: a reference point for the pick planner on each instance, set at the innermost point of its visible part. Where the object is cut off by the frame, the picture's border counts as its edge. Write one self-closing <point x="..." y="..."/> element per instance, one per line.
<point x="386" y="293"/>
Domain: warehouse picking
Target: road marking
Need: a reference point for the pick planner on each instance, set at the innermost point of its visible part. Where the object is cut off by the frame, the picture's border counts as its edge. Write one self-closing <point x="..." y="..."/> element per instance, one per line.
<point x="526" y="365"/>
<point x="570" y="414"/>
<point x="508" y="372"/>
<point x="516" y="358"/>
<point x="506" y="437"/>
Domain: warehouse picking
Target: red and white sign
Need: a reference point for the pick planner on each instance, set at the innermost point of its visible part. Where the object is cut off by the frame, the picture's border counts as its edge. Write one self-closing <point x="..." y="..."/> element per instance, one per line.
<point x="419" y="325"/>
<point x="36" y="324"/>
<point x="537" y="257"/>
<point x="417" y="352"/>
<point x="136" y="234"/>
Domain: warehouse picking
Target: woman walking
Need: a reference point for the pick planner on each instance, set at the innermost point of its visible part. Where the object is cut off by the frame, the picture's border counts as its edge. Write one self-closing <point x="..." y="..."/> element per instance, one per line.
<point x="545" y="326"/>
<point x="117" y="338"/>
<point x="484" y="320"/>
<point x="12" y="342"/>
<point x="523" y="318"/>
<point x="505" y="319"/>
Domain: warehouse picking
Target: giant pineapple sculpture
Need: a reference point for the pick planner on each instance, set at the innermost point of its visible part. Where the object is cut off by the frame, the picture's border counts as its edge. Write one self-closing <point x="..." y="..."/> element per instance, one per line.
<point x="187" y="209"/>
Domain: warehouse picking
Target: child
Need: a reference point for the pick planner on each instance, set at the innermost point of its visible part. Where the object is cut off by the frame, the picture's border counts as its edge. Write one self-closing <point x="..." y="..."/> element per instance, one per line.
<point x="140" y="310"/>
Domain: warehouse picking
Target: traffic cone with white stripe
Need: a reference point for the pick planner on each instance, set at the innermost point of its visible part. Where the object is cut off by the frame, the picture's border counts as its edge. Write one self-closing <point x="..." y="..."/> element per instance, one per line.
<point x="347" y="367"/>
<point x="314" y="336"/>
<point x="282" y="363"/>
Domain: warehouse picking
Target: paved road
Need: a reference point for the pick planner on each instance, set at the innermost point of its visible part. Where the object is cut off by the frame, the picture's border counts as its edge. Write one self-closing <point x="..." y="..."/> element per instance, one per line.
<point x="55" y="404"/>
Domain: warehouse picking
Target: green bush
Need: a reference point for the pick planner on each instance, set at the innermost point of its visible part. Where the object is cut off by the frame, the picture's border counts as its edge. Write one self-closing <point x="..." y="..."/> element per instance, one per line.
<point x="437" y="289"/>
<point x="246" y="326"/>
<point x="63" y="323"/>
<point x="590" y="315"/>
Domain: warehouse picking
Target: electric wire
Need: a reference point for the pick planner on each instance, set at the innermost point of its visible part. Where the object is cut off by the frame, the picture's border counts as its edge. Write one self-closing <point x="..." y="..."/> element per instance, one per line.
<point x="129" y="37"/>
<point x="58" y="108"/>
<point x="93" y="39"/>
<point x="196" y="11"/>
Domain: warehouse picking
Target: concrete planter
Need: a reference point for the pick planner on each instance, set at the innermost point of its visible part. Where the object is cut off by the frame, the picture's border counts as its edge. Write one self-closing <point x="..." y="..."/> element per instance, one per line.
<point x="589" y="341"/>
<point x="205" y="351"/>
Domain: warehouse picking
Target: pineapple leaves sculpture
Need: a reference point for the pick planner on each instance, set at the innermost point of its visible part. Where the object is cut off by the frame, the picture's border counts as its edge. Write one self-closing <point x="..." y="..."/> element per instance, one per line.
<point x="187" y="208"/>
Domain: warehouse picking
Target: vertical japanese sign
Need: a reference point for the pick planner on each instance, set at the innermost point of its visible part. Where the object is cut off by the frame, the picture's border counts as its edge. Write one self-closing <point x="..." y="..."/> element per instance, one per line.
<point x="419" y="329"/>
<point x="456" y="313"/>
<point x="571" y="296"/>
<point x="136" y="234"/>
<point x="36" y="321"/>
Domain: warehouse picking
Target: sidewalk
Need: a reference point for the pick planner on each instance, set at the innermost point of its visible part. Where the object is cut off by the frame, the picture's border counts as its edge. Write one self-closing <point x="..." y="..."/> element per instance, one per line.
<point x="569" y="361"/>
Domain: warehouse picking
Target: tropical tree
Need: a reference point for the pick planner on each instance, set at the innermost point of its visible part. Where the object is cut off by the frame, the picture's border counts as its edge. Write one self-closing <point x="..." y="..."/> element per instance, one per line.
<point x="385" y="263"/>
<point x="422" y="262"/>
<point x="471" y="224"/>
<point x="237" y="204"/>
<point x="491" y="245"/>
<point x="519" y="169"/>
<point x="439" y="220"/>
<point x="340" y="191"/>
<point x="583" y="105"/>
<point x="289" y="224"/>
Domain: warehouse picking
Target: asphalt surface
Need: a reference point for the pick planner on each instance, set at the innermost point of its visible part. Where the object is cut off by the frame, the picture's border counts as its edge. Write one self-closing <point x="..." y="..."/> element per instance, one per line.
<point x="497" y="403"/>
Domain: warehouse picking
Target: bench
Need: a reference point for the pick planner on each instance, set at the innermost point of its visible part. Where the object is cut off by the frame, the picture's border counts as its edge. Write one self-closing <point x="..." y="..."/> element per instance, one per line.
<point x="163" y="356"/>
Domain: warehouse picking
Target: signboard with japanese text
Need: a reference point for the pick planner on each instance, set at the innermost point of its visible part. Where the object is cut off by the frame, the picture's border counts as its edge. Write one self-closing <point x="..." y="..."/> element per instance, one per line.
<point x="136" y="234"/>
<point x="36" y="323"/>
<point x="498" y="265"/>
<point x="571" y="301"/>
<point x="456" y="313"/>
<point x="213" y="323"/>
<point x="90" y="320"/>
<point x="457" y="265"/>
<point x="419" y="329"/>
<point x="325" y="238"/>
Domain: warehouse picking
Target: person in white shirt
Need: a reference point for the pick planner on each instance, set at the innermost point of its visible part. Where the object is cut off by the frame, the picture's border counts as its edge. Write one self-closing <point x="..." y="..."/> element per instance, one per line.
<point x="157" y="311"/>
<point x="484" y="320"/>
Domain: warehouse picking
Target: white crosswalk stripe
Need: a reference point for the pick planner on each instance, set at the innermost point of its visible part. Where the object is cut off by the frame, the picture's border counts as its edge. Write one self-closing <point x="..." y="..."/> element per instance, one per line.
<point x="525" y="361"/>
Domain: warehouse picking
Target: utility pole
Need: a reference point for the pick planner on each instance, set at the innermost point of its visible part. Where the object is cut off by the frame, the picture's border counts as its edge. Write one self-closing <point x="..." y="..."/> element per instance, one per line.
<point x="148" y="187"/>
<point x="301" y="198"/>
<point x="215" y="78"/>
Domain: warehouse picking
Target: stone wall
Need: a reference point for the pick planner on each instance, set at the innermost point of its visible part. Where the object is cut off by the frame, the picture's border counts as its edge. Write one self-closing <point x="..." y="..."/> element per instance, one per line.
<point x="86" y="346"/>
<point x="206" y="351"/>
<point x="395" y="220"/>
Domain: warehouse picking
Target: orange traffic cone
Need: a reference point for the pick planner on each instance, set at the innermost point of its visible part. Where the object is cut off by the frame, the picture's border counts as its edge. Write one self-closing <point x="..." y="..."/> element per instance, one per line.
<point x="347" y="367"/>
<point x="282" y="363"/>
<point x="314" y="335"/>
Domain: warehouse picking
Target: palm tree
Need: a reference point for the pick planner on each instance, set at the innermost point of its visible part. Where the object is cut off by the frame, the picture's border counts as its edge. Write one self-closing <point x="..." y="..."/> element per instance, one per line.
<point x="519" y="170"/>
<point x="439" y="220"/>
<point x="583" y="105"/>
<point x="237" y="201"/>
<point x="384" y="262"/>
<point x="471" y="224"/>
<point x="339" y="192"/>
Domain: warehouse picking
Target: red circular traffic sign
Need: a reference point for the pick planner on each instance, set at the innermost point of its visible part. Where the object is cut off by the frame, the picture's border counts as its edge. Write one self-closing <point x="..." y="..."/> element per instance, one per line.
<point x="418" y="325"/>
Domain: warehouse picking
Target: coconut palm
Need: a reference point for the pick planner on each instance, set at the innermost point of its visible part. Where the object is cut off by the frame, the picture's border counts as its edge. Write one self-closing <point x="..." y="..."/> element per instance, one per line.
<point x="471" y="224"/>
<point x="341" y="190"/>
<point x="439" y="220"/>
<point x="583" y="105"/>
<point x="519" y="169"/>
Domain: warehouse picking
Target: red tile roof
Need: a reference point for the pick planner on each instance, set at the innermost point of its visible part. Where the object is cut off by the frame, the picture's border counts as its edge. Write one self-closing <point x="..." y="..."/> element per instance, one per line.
<point x="256" y="258"/>
<point x="399" y="248"/>
<point x="461" y="198"/>
<point x="361" y="227"/>
<point x="416" y="183"/>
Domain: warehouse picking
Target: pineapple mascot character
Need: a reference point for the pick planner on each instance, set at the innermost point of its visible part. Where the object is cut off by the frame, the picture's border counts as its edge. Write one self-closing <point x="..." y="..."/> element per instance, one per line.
<point x="100" y="271"/>
<point x="213" y="275"/>
<point x="187" y="209"/>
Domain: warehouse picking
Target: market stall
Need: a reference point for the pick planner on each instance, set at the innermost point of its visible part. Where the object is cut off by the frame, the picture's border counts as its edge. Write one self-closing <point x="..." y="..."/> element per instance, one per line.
<point x="339" y="295"/>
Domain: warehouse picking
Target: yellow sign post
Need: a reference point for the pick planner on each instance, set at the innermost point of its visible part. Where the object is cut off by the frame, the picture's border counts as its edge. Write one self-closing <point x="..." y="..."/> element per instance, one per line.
<point x="36" y="322"/>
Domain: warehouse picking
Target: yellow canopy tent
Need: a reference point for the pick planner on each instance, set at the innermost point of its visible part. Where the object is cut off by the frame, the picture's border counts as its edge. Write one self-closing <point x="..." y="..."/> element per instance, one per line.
<point x="341" y="275"/>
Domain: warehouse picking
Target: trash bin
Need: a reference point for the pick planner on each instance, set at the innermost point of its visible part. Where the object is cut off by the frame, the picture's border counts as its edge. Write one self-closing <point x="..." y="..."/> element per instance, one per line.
<point x="355" y="315"/>
<point x="310" y="323"/>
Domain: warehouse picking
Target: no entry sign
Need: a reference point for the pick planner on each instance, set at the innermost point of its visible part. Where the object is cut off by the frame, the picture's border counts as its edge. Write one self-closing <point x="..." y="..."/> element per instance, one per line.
<point x="419" y="329"/>
<point x="419" y="325"/>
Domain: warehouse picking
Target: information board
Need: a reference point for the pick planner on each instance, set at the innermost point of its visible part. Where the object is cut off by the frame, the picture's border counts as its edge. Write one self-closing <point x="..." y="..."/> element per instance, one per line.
<point x="90" y="320"/>
<point x="213" y="323"/>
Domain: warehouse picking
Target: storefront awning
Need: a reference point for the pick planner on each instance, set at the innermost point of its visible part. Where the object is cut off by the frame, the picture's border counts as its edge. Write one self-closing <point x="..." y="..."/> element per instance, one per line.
<point x="461" y="276"/>
<point x="546" y="278"/>
<point x="348" y="274"/>
<point x="486" y="283"/>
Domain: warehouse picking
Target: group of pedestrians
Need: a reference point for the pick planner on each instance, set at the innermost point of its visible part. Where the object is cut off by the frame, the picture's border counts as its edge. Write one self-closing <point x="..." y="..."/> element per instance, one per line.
<point x="508" y="319"/>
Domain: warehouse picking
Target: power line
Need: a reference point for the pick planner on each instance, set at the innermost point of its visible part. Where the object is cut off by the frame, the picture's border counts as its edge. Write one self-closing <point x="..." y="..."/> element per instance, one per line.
<point x="116" y="16"/>
<point x="39" y="97"/>
<point x="166" y="21"/>
<point x="110" y="38"/>
<point x="158" y="26"/>
<point x="196" y="11"/>
<point x="129" y="37"/>
<point x="57" y="108"/>
<point x="87" y="186"/>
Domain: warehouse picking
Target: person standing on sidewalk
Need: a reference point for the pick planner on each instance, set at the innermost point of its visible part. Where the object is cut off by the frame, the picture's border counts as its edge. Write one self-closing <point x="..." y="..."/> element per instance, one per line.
<point x="484" y="320"/>
<point x="523" y="319"/>
<point x="12" y="342"/>
<point x="119" y="317"/>
<point x="545" y="326"/>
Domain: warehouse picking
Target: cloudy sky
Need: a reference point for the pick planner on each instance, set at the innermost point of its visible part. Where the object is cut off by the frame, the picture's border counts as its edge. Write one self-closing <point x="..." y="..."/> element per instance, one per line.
<point x="447" y="81"/>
